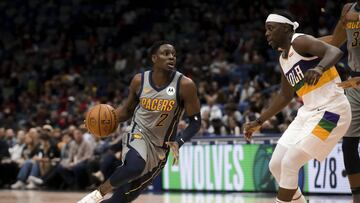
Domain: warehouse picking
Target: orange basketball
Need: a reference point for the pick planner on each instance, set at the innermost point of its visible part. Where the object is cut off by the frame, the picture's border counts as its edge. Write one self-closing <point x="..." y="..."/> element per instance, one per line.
<point x="101" y="120"/>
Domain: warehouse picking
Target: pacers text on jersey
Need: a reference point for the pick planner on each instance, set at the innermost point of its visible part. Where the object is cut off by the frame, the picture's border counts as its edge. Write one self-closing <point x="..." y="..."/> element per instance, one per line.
<point x="154" y="104"/>
<point x="353" y="25"/>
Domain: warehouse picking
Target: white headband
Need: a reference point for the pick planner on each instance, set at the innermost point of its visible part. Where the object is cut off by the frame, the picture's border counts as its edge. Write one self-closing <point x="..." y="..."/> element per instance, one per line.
<point x="281" y="19"/>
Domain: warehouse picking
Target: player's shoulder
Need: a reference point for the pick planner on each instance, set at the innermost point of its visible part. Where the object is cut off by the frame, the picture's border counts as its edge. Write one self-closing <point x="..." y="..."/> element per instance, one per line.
<point x="346" y="8"/>
<point x="136" y="80"/>
<point x="187" y="82"/>
<point x="301" y="40"/>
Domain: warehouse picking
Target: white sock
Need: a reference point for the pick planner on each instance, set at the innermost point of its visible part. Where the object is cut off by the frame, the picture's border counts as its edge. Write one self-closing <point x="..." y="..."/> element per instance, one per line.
<point x="298" y="197"/>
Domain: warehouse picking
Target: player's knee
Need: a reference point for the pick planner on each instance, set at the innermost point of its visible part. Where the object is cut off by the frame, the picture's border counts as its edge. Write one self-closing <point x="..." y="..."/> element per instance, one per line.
<point x="274" y="166"/>
<point x="138" y="168"/>
<point x="134" y="163"/>
<point x="289" y="165"/>
<point x="351" y="155"/>
<point x="350" y="146"/>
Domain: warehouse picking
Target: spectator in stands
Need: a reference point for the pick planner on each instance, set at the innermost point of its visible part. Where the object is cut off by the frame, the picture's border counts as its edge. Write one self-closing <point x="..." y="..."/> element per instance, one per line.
<point x="27" y="162"/>
<point x="232" y="120"/>
<point x="74" y="172"/>
<point x="48" y="154"/>
<point x="4" y="154"/>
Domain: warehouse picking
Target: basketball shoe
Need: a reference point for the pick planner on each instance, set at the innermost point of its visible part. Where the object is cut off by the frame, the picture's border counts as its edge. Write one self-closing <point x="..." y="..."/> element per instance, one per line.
<point x="94" y="197"/>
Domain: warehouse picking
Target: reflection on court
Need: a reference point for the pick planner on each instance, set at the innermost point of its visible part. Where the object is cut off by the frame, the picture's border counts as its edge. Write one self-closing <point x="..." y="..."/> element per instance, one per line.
<point x="9" y="196"/>
<point x="242" y="198"/>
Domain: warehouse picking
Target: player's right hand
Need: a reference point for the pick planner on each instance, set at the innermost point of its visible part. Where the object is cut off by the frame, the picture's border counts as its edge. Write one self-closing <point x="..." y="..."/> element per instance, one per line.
<point x="352" y="82"/>
<point x="351" y="16"/>
<point x="313" y="75"/>
<point x="174" y="146"/>
<point x="250" y="128"/>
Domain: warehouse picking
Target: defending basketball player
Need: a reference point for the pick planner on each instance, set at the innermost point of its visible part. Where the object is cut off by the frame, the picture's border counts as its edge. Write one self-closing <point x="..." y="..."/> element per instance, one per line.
<point x="308" y="70"/>
<point x="155" y="102"/>
<point x="348" y="29"/>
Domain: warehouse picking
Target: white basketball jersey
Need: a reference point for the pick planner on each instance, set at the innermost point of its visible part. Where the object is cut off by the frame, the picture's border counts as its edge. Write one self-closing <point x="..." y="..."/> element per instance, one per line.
<point x="321" y="94"/>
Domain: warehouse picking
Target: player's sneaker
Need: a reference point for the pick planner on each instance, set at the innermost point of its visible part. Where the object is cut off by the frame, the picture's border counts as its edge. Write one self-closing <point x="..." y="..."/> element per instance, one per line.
<point x="94" y="197"/>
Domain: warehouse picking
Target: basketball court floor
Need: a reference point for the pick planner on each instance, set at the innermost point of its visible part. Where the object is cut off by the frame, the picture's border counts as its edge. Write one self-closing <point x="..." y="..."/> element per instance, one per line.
<point x="22" y="196"/>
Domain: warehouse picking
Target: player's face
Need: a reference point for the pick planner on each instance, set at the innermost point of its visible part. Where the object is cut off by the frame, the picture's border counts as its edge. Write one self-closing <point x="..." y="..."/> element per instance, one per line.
<point x="165" y="57"/>
<point x="274" y="34"/>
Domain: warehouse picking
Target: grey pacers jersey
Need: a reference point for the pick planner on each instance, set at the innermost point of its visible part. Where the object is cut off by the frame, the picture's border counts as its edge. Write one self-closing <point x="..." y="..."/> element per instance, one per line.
<point x="353" y="41"/>
<point x="159" y="109"/>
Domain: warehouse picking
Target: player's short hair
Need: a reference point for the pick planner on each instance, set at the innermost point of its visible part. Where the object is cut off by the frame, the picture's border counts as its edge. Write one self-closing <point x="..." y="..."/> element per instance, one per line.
<point x="285" y="13"/>
<point x="155" y="47"/>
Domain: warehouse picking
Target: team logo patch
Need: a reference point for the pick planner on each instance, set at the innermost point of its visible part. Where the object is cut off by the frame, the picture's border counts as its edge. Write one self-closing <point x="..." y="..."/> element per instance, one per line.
<point x="147" y="90"/>
<point x="137" y="136"/>
<point x="170" y="91"/>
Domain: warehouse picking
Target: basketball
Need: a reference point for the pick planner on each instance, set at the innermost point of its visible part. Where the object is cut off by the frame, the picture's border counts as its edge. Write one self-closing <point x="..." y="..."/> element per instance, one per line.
<point x="101" y="120"/>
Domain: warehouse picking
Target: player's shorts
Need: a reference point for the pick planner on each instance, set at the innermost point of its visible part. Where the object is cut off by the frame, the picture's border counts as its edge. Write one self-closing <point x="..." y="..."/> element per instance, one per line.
<point x="155" y="158"/>
<point x="152" y="154"/>
<point x="318" y="131"/>
<point x="353" y="95"/>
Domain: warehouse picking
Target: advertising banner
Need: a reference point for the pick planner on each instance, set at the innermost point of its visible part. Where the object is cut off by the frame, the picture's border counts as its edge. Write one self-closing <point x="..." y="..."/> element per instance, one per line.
<point x="245" y="168"/>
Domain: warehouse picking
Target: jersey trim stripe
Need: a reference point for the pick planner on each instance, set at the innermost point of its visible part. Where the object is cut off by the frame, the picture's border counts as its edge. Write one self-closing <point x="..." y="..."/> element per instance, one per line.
<point x="133" y="118"/>
<point x="158" y="89"/>
<point x="142" y="85"/>
<point x="172" y="125"/>
<point x="143" y="181"/>
<point x="302" y="89"/>
<point x="174" y="129"/>
<point x="178" y="90"/>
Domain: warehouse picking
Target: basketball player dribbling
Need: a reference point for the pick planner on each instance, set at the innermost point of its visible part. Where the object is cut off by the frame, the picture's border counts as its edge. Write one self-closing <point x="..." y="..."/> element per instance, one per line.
<point x="348" y="29"/>
<point x="155" y="103"/>
<point x="308" y="70"/>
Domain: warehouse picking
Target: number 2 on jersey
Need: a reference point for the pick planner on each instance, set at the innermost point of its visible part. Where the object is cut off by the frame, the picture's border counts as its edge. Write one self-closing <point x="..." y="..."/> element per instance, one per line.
<point x="162" y="119"/>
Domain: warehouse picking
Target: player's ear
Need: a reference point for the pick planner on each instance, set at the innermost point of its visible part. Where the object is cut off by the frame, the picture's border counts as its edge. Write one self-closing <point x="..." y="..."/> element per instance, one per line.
<point x="288" y="29"/>
<point x="153" y="58"/>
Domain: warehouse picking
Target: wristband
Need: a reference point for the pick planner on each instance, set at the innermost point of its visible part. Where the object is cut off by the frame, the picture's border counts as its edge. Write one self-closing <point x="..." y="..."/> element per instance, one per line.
<point x="180" y="142"/>
<point x="322" y="68"/>
<point x="259" y="121"/>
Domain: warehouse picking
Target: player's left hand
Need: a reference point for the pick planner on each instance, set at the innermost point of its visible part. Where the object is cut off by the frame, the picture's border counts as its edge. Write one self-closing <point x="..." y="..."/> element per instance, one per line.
<point x="174" y="146"/>
<point x="313" y="75"/>
<point x="250" y="128"/>
<point x="352" y="82"/>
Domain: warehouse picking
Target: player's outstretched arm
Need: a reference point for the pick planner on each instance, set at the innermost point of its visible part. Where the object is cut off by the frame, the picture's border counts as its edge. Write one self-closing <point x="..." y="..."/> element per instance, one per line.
<point x="126" y="110"/>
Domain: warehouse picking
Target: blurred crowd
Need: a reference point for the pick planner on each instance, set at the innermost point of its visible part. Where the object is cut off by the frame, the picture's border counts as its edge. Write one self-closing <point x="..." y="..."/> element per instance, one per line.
<point x="45" y="157"/>
<point x="58" y="58"/>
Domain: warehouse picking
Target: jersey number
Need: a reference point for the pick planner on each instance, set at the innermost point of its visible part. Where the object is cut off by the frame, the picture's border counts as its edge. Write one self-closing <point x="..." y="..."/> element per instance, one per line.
<point x="356" y="39"/>
<point x="162" y="119"/>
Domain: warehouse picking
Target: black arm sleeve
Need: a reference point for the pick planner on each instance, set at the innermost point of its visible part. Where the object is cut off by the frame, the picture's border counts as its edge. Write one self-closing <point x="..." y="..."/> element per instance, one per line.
<point x="190" y="130"/>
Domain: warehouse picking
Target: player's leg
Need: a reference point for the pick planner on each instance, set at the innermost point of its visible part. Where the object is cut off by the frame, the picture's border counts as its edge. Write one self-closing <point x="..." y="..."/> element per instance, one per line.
<point x="119" y="195"/>
<point x="293" y="160"/>
<point x="350" y="147"/>
<point x="108" y="164"/>
<point x="132" y="168"/>
<point x="350" y="144"/>
<point x="275" y="161"/>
